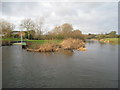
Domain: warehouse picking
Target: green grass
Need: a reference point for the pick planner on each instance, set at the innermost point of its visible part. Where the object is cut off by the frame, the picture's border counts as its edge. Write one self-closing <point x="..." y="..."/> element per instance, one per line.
<point x="37" y="41"/>
<point x="33" y="43"/>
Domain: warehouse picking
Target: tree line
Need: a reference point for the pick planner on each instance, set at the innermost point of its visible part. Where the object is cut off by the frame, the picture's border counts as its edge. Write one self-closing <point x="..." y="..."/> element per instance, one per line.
<point x="111" y="34"/>
<point x="35" y="29"/>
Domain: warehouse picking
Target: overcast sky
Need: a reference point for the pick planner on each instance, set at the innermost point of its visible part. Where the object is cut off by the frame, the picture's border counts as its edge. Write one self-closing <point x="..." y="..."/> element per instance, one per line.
<point x="89" y="17"/>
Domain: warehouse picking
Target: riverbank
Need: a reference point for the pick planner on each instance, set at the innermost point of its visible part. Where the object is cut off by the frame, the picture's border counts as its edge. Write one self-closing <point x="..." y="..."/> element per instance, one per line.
<point x="9" y="41"/>
<point x="109" y="40"/>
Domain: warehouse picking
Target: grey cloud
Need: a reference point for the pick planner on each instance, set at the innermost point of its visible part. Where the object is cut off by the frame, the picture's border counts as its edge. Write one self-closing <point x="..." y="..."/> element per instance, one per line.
<point x="89" y="17"/>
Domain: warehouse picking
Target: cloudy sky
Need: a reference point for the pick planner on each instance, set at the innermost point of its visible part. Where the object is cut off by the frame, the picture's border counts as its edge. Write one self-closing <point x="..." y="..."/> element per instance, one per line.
<point x="89" y="17"/>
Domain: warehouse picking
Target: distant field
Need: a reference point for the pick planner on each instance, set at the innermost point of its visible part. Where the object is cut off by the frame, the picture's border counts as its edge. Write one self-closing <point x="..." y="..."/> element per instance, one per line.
<point x="113" y="40"/>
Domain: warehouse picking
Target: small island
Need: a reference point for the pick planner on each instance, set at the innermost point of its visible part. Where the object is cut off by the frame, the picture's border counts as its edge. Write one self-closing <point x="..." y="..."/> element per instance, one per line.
<point x="68" y="44"/>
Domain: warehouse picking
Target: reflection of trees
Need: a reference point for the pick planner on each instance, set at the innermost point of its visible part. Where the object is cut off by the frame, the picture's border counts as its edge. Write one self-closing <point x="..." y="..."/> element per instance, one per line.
<point x="102" y="43"/>
<point x="67" y="52"/>
<point x="64" y="52"/>
<point x="90" y="41"/>
<point x="48" y="53"/>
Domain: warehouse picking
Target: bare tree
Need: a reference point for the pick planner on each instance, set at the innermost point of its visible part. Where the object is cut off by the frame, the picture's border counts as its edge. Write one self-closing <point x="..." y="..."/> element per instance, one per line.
<point x="57" y="30"/>
<point x="39" y="26"/>
<point x="28" y="24"/>
<point x="6" y="27"/>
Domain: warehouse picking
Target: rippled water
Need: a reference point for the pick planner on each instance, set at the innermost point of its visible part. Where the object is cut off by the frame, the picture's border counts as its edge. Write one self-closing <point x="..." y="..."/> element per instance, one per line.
<point x="96" y="67"/>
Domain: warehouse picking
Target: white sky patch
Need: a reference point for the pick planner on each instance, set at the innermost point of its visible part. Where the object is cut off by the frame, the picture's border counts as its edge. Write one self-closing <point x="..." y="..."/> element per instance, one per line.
<point x="59" y="0"/>
<point x="89" y="17"/>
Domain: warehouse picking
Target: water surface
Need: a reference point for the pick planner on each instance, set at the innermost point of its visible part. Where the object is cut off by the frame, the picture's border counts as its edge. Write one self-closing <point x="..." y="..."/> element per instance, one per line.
<point x="97" y="68"/>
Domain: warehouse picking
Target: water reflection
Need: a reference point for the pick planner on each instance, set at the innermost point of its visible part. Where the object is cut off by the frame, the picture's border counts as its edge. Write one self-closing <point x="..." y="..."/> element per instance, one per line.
<point x="47" y="53"/>
<point x="102" y="43"/>
<point x="67" y="52"/>
<point x="64" y="52"/>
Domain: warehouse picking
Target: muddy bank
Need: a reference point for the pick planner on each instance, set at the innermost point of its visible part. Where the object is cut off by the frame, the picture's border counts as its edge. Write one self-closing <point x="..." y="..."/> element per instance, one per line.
<point x="103" y="40"/>
<point x="68" y="44"/>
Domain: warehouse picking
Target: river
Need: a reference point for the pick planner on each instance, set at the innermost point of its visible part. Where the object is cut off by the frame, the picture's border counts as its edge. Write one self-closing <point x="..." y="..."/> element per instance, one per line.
<point x="95" y="68"/>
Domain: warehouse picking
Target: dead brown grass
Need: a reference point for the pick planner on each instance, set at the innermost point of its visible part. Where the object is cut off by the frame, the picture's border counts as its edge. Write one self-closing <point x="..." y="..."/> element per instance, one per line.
<point x="72" y="43"/>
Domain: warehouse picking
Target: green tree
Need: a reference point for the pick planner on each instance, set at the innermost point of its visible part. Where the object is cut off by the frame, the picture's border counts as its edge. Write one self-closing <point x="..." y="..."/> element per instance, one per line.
<point x="32" y="34"/>
<point x="101" y="36"/>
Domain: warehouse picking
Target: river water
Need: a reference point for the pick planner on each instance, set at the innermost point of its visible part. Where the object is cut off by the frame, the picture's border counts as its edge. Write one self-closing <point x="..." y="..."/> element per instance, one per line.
<point x="95" y="68"/>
